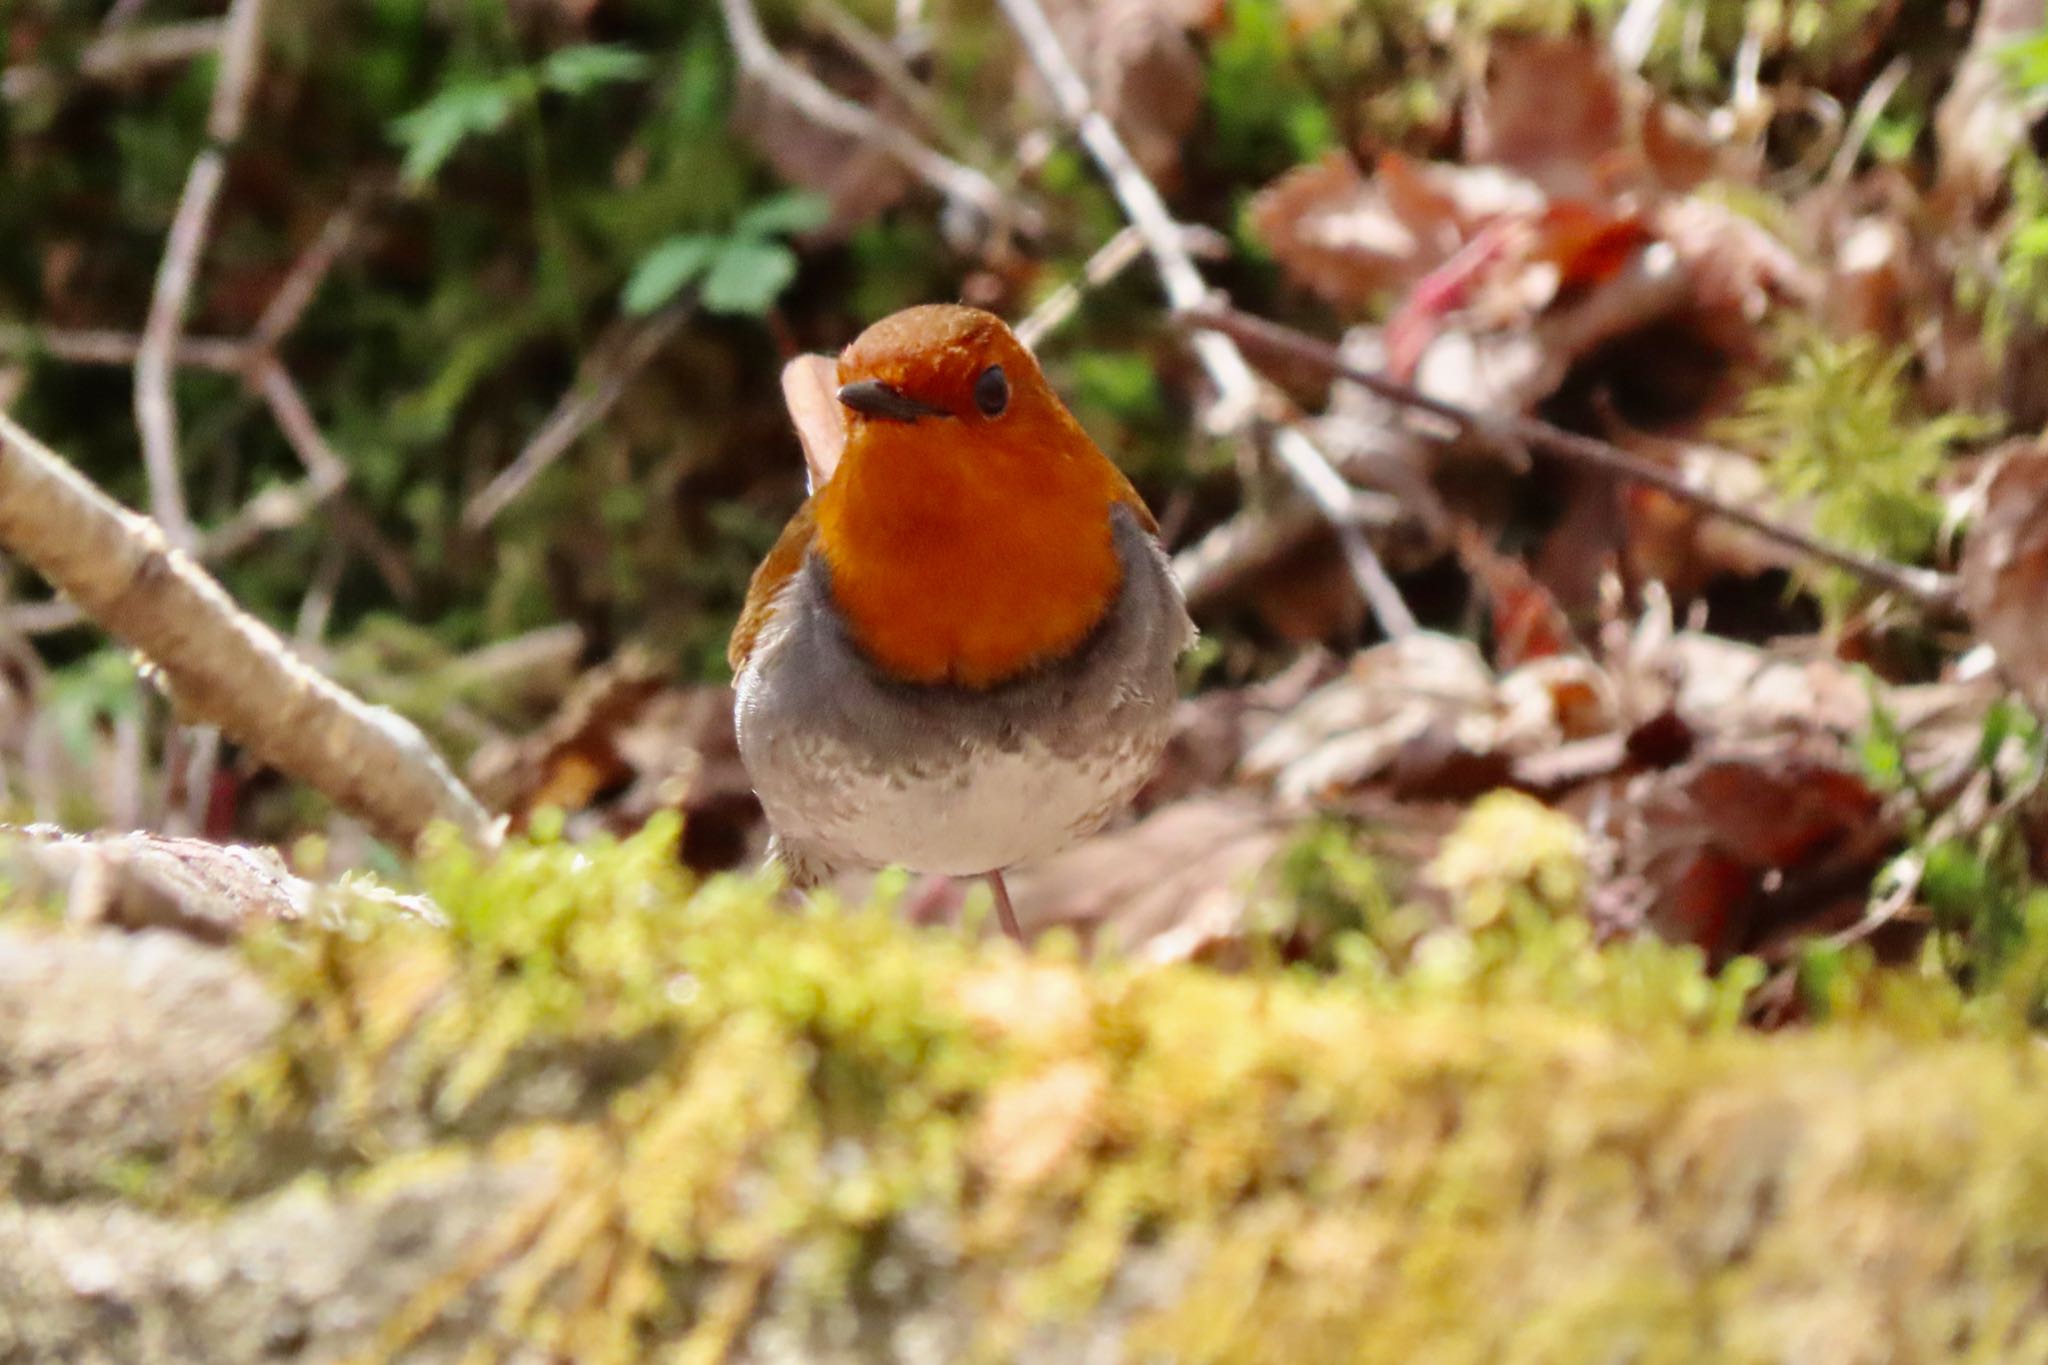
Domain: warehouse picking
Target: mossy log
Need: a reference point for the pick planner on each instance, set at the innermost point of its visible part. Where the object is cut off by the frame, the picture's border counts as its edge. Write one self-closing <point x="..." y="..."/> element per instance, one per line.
<point x="602" y="1115"/>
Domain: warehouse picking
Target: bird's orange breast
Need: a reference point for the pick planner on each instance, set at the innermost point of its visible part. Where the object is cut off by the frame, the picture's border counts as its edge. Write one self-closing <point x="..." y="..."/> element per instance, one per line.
<point x="970" y="561"/>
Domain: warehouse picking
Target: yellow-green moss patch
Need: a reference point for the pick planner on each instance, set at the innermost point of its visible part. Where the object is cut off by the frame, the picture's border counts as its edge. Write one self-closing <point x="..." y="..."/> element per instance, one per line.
<point x="790" y="1131"/>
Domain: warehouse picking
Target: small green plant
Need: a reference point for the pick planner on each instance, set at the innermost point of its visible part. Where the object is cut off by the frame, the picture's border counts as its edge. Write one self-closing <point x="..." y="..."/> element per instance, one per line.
<point x="1265" y="109"/>
<point x="476" y="107"/>
<point x="738" y="271"/>
<point x="2022" y="291"/>
<point x="1966" y="862"/>
<point x="1838" y="431"/>
<point x="2015" y="289"/>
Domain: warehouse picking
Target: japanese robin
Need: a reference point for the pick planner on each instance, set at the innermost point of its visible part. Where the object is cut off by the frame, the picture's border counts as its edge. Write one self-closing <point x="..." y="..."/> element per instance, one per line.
<point x="959" y="655"/>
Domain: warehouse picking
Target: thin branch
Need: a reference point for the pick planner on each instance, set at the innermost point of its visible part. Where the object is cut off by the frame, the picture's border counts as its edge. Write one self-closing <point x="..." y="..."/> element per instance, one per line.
<point x="1635" y="33"/>
<point x="239" y="48"/>
<point x="1237" y="388"/>
<point x="1110" y="260"/>
<point x="288" y="408"/>
<point x="93" y="346"/>
<point x="759" y="59"/>
<point x="1240" y="547"/>
<point x="122" y="52"/>
<point x="220" y="665"/>
<point x="1869" y="109"/>
<point x="307" y="274"/>
<point x="316" y="609"/>
<point x="1929" y="588"/>
<point x="120" y="14"/>
<point x="272" y="510"/>
<point x="156" y="414"/>
<point x="603" y="381"/>
<point x="882" y="60"/>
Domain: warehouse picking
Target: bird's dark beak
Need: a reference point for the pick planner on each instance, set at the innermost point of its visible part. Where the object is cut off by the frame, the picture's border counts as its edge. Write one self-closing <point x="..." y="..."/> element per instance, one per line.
<point x="873" y="398"/>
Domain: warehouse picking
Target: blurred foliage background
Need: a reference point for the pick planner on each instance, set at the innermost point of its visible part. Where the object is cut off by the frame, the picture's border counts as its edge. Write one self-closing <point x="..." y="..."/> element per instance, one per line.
<point x="553" y="195"/>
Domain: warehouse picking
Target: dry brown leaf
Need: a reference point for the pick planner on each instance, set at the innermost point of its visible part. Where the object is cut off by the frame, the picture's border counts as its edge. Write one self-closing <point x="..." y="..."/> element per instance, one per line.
<point x="1551" y="107"/>
<point x="1678" y="151"/>
<point x="1527" y="621"/>
<point x="1171" y="887"/>
<point x="1674" y="541"/>
<point x="1148" y="78"/>
<point x="1425" y="716"/>
<point x="2005" y="568"/>
<point x="684" y="756"/>
<point x="622" y="746"/>
<point x="1710" y="845"/>
<point x="574" y="757"/>
<point x="859" y="178"/>
<point x="1738" y="270"/>
<point x="1334" y="235"/>
<point x="1980" y="123"/>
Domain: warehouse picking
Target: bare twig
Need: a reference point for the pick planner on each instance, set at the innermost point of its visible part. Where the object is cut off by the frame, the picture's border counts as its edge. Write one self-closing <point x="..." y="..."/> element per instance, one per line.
<point x="220" y="665"/>
<point x="288" y="407"/>
<point x="155" y="412"/>
<point x="119" y="53"/>
<point x="759" y="59"/>
<point x="307" y="274"/>
<point x="1237" y="387"/>
<point x="884" y="61"/>
<point x="120" y="14"/>
<point x="317" y="608"/>
<point x="273" y="509"/>
<point x="1240" y="547"/>
<point x="1930" y="589"/>
<point x="604" y="379"/>
<point x="1110" y="260"/>
<point x="89" y="346"/>
<point x="1635" y="33"/>
<point x="1869" y="109"/>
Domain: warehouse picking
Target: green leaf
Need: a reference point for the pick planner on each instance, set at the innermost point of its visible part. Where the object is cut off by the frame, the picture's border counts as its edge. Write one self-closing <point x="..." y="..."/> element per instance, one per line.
<point x="2026" y="61"/>
<point x="666" y="269"/>
<point x="431" y="133"/>
<point x="574" y="70"/>
<point x="747" y="276"/>
<point x="784" y="215"/>
<point x="1956" y="883"/>
<point x="1821" y="977"/>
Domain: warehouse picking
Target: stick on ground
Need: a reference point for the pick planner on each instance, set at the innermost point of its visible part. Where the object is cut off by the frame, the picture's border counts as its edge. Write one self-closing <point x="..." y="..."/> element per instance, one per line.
<point x="1928" y="588"/>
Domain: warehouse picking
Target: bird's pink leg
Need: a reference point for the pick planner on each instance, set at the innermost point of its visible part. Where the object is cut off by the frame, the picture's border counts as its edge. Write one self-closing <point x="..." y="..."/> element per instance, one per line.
<point x="1005" y="912"/>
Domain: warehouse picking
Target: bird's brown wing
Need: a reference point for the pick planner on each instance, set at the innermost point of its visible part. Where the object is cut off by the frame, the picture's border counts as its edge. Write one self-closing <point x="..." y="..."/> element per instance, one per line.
<point x="776" y="570"/>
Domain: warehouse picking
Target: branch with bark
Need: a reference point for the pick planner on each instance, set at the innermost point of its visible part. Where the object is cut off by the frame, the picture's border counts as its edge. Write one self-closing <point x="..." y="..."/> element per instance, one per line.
<point x="219" y="665"/>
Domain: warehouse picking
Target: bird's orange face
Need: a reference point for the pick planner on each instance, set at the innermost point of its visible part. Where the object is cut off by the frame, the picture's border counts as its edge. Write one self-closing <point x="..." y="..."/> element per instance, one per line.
<point x="967" y="528"/>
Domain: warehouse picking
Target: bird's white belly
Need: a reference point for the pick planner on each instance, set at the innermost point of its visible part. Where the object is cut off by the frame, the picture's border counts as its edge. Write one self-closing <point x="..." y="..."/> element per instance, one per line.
<point x="993" y="809"/>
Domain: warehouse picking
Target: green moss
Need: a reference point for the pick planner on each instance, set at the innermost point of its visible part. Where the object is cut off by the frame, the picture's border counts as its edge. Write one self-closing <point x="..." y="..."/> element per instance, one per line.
<point x="1839" y="432"/>
<point x="1497" y="1144"/>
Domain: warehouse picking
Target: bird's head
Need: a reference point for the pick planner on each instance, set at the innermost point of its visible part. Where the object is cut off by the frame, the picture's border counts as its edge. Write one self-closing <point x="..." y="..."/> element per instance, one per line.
<point x="967" y="526"/>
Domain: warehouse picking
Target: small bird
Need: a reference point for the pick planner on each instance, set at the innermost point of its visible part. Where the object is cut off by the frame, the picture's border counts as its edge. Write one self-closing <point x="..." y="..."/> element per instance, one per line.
<point x="959" y="655"/>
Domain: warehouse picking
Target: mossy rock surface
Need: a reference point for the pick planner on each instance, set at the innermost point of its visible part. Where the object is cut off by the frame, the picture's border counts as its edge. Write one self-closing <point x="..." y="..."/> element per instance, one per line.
<point x="604" y="1115"/>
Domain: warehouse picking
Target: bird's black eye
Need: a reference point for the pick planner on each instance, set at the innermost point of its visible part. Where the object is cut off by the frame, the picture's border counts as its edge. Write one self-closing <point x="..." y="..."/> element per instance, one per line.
<point x="992" y="391"/>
